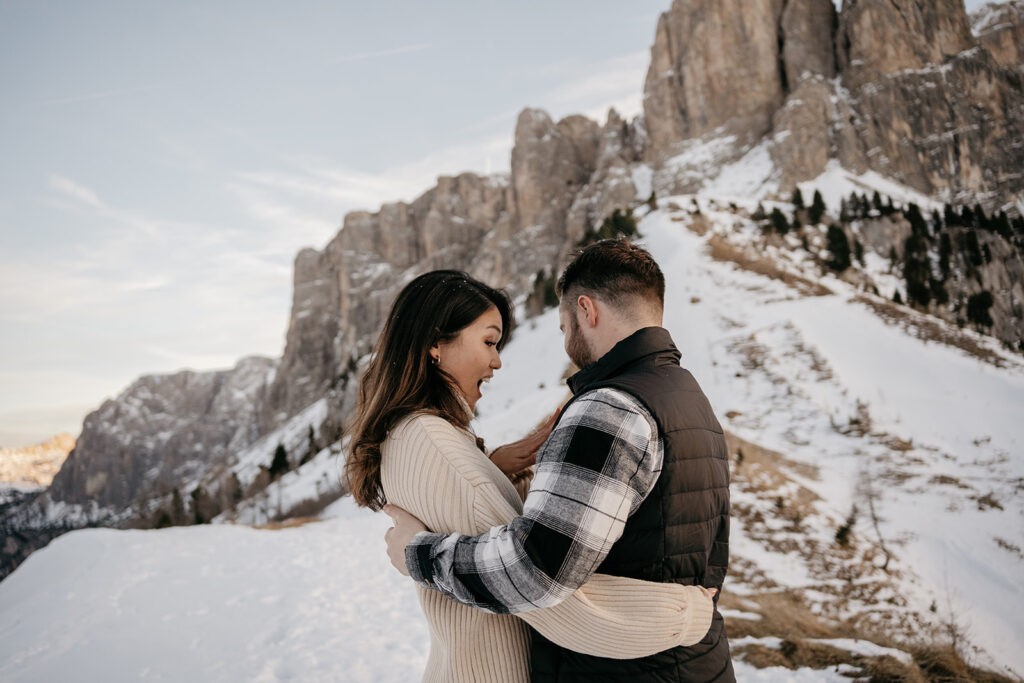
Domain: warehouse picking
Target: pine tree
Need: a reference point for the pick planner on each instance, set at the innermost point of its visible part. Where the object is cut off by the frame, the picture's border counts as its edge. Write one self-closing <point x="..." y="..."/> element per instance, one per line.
<point x="876" y="201"/>
<point x="978" y="306"/>
<point x="797" y="223"/>
<point x="858" y="250"/>
<point x="945" y="251"/>
<point x="652" y="202"/>
<point x="981" y="220"/>
<point x="279" y="465"/>
<point x="896" y="297"/>
<point x="918" y="226"/>
<point x="839" y="247"/>
<point x="950" y="217"/>
<point x="779" y="222"/>
<point x="798" y="198"/>
<point x="177" y="507"/>
<point x="967" y="217"/>
<point x="759" y="214"/>
<point x="973" y="249"/>
<point x="917" y="270"/>
<point x="817" y="209"/>
<point x="1002" y="226"/>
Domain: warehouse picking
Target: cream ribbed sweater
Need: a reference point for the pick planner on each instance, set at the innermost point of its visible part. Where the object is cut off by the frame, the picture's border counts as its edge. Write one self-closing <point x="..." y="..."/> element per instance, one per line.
<point x="435" y="471"/>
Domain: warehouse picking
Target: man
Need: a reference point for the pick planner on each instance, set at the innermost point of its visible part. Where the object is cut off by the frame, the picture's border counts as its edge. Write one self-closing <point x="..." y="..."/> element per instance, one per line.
<point x="633" y="481"/>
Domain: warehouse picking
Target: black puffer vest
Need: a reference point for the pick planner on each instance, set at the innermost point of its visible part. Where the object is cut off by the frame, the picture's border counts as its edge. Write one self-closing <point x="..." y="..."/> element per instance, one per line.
<point x="680" y="533"/>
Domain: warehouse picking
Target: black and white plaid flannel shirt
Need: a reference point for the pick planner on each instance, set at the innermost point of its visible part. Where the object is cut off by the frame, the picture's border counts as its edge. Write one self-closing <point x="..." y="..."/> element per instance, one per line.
<point x="599" y="463"/>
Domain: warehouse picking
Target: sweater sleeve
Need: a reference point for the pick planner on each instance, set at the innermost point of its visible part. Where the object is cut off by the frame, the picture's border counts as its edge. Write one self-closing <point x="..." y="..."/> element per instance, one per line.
<point x="615" y="617"/>
<point x="612" y="616"/>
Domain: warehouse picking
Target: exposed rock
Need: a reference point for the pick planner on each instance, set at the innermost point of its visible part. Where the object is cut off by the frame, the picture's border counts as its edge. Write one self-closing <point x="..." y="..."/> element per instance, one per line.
<point x="162" y="430"/>
<point x="35" y="465"/>
<point x="714" y="68"/>
<point x="803" y="137"/>
<point x="807" y="30"/>
<point x="878" y="38"/>
<point x="999" y="28"/>
<point x="952" y="131"/>
<point x="550" y="162"/>
<point x="611" y="185"/>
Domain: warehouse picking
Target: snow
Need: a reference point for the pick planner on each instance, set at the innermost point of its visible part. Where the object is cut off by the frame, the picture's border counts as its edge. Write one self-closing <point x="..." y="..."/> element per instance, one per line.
<point x="643" y="179"/>
<point x="318" y="602"/>
<point x="866" y="648"/>
<point x="820" y="356"/>
<point x="749" y="177"/>
<point x="836" y="183"/>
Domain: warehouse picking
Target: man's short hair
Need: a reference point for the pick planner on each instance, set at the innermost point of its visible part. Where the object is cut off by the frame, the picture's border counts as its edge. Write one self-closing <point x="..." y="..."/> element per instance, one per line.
<point x="615" y="271"/>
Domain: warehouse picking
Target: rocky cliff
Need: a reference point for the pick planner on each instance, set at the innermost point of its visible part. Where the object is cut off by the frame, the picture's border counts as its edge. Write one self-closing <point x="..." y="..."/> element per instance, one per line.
<point x="896" y="86"/>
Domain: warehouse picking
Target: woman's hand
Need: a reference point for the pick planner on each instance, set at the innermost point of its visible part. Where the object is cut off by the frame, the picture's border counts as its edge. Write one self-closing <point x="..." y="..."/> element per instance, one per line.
<point x="515" y="457"/>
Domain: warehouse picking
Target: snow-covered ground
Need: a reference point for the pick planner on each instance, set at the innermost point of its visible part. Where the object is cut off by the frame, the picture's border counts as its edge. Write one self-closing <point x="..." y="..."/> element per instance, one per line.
<point x="783" y="370"/>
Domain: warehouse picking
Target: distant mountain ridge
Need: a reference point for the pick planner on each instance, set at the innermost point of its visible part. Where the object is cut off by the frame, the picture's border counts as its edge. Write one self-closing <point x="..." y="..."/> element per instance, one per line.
<point x="940" y="110"/>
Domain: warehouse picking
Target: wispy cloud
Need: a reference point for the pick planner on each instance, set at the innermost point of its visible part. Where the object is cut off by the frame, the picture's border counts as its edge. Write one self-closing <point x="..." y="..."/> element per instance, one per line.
<point x="362" y="56"/>
<point x="101" y="94"/>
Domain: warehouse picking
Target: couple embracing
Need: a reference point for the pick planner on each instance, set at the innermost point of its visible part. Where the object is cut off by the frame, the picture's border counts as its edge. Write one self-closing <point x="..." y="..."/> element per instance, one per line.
<point x="601" y="562"/>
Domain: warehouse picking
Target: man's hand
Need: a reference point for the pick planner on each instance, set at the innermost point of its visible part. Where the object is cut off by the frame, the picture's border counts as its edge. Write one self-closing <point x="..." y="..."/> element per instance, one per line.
<point x="397" y="537"/>
<point x="518" y="455"/>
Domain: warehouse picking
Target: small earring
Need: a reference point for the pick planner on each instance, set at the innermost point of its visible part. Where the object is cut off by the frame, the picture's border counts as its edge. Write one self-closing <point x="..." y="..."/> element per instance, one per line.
<point x="436" y="360"/>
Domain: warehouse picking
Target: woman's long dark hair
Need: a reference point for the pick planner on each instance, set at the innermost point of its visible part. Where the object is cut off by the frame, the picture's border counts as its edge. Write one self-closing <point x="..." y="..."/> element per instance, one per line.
<point x="401" y="379"/>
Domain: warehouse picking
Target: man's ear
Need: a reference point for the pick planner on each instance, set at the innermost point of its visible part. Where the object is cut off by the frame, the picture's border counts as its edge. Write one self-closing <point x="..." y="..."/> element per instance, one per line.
<point x="586" y="310"/>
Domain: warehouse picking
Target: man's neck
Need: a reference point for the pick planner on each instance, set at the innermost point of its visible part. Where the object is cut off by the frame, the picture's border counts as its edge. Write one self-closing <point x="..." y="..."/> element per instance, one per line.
<point x="615" y="334"/>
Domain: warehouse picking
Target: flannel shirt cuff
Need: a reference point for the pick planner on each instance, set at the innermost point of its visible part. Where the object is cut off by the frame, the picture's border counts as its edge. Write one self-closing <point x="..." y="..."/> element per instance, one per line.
<point x="419" y="556"/>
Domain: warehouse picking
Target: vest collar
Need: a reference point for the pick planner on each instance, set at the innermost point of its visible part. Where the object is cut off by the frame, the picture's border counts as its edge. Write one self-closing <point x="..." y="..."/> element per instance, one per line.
<point x="644" y="342"/>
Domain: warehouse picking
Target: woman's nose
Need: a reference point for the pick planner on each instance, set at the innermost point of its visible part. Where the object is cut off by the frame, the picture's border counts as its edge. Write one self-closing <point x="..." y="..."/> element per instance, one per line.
<point x="496" y="362"/>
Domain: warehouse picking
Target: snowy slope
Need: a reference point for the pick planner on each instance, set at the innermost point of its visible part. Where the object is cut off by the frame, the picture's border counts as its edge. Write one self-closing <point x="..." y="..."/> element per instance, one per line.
<point x="942" y="452"/>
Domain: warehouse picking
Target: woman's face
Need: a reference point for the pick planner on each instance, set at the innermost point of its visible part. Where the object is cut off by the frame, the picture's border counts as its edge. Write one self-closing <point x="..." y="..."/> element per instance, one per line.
<point x="472" y="357"/>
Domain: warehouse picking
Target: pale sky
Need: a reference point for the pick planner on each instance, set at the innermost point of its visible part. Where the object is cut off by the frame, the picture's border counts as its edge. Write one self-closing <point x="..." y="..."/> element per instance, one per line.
<point x="163" y="162"/>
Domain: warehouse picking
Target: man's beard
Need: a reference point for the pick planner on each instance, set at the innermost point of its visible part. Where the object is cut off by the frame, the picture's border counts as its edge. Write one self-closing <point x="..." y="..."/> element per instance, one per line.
<point x="576" y="346"/>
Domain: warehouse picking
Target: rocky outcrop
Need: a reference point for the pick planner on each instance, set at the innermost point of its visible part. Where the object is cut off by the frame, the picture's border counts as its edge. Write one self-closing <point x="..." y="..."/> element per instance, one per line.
<point x="612" y="184"/>
<point x="806" y="28"/>
<point x="918" y="98"/>
<point x="714" y="69"/>
<point x="999" y="28"/>
<point x="951" y="131"/>
<point x="878" y="38"/>
<point x="497" y="229"/>
<point x="162" y="430"/>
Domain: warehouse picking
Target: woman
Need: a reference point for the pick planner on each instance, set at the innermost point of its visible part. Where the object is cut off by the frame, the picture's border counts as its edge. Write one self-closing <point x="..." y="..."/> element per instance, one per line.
<point x="412" y="446"/>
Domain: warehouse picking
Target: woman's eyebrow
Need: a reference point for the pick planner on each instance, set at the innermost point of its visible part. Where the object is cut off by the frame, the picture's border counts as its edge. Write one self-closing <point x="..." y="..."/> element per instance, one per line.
<point x="495" y="328"/>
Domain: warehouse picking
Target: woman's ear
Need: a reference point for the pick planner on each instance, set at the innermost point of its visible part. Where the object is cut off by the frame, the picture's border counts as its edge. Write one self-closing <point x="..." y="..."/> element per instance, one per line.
<point x="435" y="352"/>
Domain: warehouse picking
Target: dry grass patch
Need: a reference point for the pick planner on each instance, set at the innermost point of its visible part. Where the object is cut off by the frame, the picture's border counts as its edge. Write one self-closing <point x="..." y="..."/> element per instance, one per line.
<point x="723" y="250"/>
<point x="286" y="523"/>
<point x="927" y="328"/>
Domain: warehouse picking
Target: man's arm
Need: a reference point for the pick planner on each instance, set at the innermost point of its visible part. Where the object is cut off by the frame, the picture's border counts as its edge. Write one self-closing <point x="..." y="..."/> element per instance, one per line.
<point x="599" y="464"/>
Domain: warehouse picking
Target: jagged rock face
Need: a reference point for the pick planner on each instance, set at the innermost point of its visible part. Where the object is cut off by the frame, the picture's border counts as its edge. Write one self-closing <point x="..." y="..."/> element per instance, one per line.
<point x="343" y="293"/>
<point x="611" y="185"/>
<point x="495" y="229"/>
<point x="550" y="162"/>
<point x="162" y="431"/>
<point x="951" y="131"/>
<point x="804" y="134"/>
<point x="714" y="64"/>
<point x="999" y="28"/>
<point x="807" y="28"/>
<point x="877" y="38"/>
